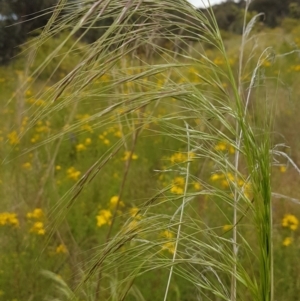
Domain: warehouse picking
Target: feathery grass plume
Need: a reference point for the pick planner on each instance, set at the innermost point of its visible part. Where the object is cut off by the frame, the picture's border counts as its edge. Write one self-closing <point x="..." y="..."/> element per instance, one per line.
<point x="148" y="74"/>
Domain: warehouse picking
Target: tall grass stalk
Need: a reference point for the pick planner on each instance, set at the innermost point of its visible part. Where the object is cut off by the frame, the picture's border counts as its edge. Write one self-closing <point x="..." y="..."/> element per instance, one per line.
<point x="181" y="213"/>
<point x="133" y="51"/>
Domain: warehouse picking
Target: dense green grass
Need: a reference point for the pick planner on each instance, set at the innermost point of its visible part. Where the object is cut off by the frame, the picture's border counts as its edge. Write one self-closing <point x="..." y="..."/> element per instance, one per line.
<point x="129" y="174"/>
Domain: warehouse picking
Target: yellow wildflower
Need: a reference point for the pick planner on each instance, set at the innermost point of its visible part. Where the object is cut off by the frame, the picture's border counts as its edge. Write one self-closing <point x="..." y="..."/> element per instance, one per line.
<point x="80" y="147"/>
<point x="290" y="221"/>
<point x="7" y="218"/>
<point x="38" y="228"/>
<point x="40" y="102"/>
<point x="61" y="249"/>
<point x="181" y="157"/>
<point x="221" y="146"/>
<point x="266" y="63"/>
<point x="248" y="190"/>
<point x="219" y="61"/>
<point x="134" y="212"/>
<point x="127" y="156"/>
<point x="227" y="228"/>
<point x="169" y="246"/>
<point x="177" y="190"/>
<point x="283" y="168"/>
<point x="57" y="167"/>
<point x="88" y="141"/>
<point x="35" y="138"/>
<point x="13" y="138"/>
<point x="36" y="214"/>
<point x="241" y="182"/>
<point x="178" y="185"/>
<point x="114" y="201"/>
<point x="26" y="165"/>
<point x="230" y="177"/>
<point x="25" y="120"/>
<point x="215" y="177"/>
<point x="104" y="217"/>
<point x="73" y="173"/>
<point x="287" y="241"/>
<point x="132" y="226"/>
<point x="197" y="186"/>
<point x="231" y="149"/>
<point x="118" y="134"/>
<point x="167" y="234"/>
<point x="225" y="183"/>
<point x="87" y="128"/>
<point x="28" y="93"/>
<point x="179" y="181"/>
<point x="224" y="146"/>
<point x="106" y="141"/>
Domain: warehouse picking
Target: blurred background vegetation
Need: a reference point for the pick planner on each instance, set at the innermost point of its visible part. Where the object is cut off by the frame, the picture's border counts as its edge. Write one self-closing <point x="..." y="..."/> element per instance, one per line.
<point x="22" y="19"/>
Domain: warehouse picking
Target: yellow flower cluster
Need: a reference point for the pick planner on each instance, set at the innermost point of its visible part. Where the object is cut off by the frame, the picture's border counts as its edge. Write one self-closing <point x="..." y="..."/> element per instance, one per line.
<point x="83" y="117"/>
<point x="181" y="157"/>
<point x="266" y="63"/>
<point x="167" y="234"/>
<point x="178" y="185"/>
<point x="114" y="201"/>
<point x="37" y="102"/>
<point x="134" y="213"/>
<point x="127" y="156"/>
<point x="104" y="217"/>
<point x="282" y="168"/>
<point x="88" y="141"/>
<point x="290" y="221"/>
<point x="104" y="138"/>
<point x="218" y="61"/>
<point x="223" y="179"/>
<point x="296" y="68"/>
<point x="87" y="128"/>
<point x="42" y="127"/>
<point x="114" y="130"/>
<point x="27" y="166"/>
<point x="226" y="179"/>
<point x="73" y="174"/>
<point x="170" y="245"/>
<point x="38" y="225"/>
<point x="82" y="146"/>
<point x="61" y="249"/>
<point x="35" y="138"/>
<point x="134" y="223"/>
<point x="7" y="218"/>
<point x="197" y="186"/>
<point x="224" y="146"/>
<point x="35" y="214"/>
<point x="227" y="228"/>
<point x="38" y="228"/>
<point x="287" y="241"/>
<point x="13" y="138"/>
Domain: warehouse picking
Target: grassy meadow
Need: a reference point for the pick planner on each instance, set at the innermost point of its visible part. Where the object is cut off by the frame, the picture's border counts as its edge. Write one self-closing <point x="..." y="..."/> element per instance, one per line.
<point x="151" y="178"/>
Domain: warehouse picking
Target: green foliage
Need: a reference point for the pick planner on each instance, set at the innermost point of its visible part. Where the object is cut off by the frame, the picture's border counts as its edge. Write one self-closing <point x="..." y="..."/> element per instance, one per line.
<point x="149" y="177"/>
<point x="288" y="24"/>
<point x="275" y="10"/>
